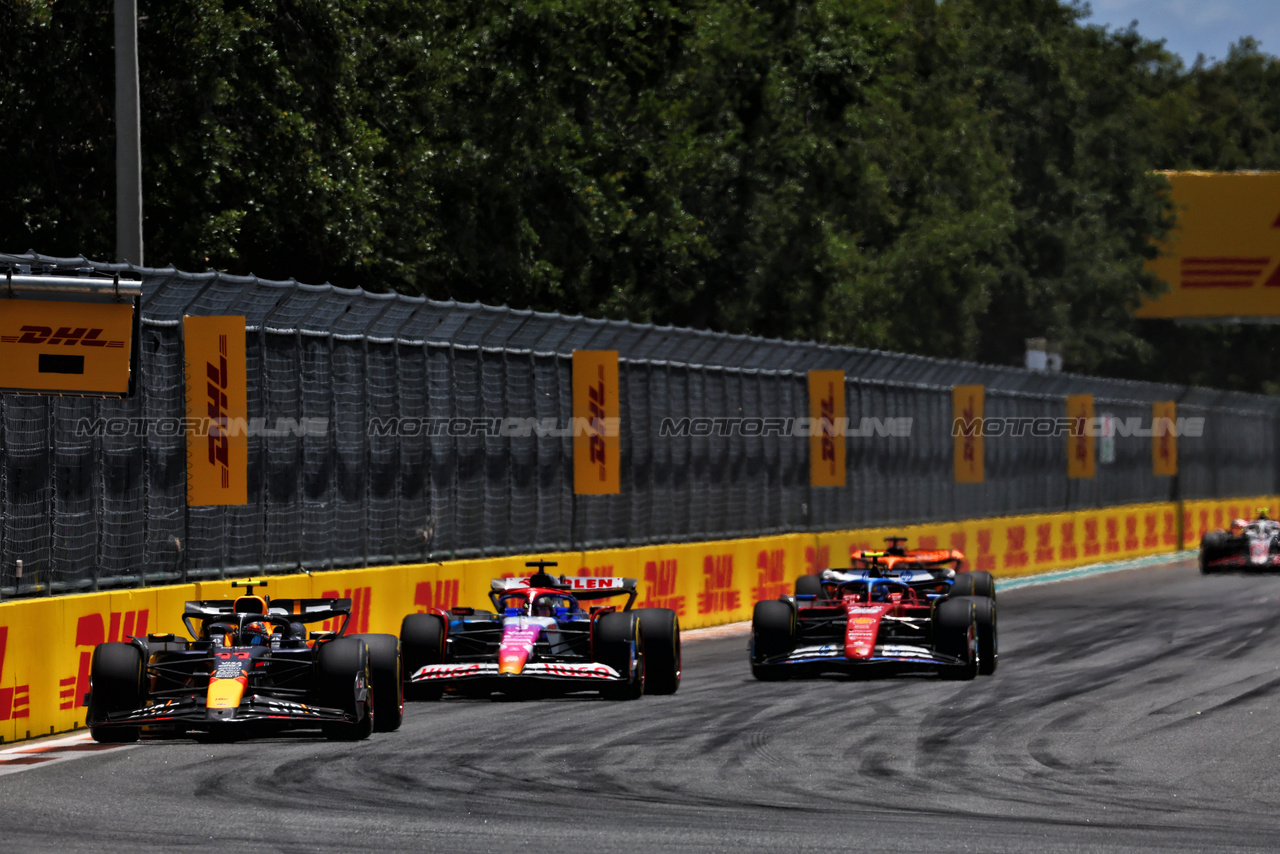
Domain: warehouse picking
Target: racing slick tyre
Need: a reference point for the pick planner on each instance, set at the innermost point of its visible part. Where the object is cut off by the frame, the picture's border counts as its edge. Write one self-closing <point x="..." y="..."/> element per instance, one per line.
<point x="809" y="585"/>
<point x="344" y="682"/>
<point x="660" y="628"/>
<point x="617" y="642"/>
<point x="115" y="685"/>
<point x="1213" y="545"/>
<point x="984" y="611"/>
<point x="974" y="584"/>
<point x="955" y="633"/>
<point x="421" y="643"/>
<point x="388" y="683"/>
<point x="773" y="632"/>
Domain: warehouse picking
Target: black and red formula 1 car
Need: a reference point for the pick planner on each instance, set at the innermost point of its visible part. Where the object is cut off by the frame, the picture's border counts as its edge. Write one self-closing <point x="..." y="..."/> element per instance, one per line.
<point x="1250" y="544"/>
<point x="540" y="640"/>
<point x="250" y="669"/>
<point x="878" y="618"/>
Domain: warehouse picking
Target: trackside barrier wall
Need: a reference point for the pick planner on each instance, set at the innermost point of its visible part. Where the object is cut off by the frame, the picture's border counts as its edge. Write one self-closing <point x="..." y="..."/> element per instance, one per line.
<point x="375" y="447"/>
<point x="46" y="644"/>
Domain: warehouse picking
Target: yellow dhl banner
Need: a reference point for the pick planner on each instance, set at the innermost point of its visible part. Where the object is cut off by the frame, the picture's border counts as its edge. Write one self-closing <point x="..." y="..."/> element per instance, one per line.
<point x="826" y="433"/>
<point x="1164" y="441"/>
<point x="966" y="413"/>
<point x="1222" y="259"/>
<point x="1080" y="442"/>
<point x="597" y="443"/>
<point x="217" y="411"/>
<point x="61" y="346"/>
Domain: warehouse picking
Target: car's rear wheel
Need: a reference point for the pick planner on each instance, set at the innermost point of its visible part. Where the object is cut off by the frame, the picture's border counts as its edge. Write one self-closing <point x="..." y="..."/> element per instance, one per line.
<point x="345" y="682"/>
<point x="619" y="642"/>
<point x="421" y="643"/>
<point x="1213" y="545"/>
<point x="809" y="585"/>
<point x="773" y="633"/>
<point x="660" y="628"/>
<point x="115" y="685"/>
<point x="974" y="584"/>
<point x="388" y="683"/>
<point x="955" y="632"/>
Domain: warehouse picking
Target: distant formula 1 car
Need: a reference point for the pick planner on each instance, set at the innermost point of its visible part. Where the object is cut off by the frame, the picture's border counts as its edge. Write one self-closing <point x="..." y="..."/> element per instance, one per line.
<point x="1250" y="544"/>
<point x="928" y="571"/>
<point x="249" y="670"/>
<point x="542" y="641"/>
<point x="892" y="613"/>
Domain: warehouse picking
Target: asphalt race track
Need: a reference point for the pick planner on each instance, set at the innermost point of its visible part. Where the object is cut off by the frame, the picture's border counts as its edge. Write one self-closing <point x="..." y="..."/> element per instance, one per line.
<point x="1133" y="710"/>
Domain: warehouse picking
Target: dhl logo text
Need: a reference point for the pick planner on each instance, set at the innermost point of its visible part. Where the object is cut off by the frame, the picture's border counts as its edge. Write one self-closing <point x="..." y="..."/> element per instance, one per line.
<point x="1068" y="550"/>
<point x="717" y="585"/>
<point x="660" y="578"/>
<point x="442" y="594"/>
<point x="67" y="336"/>
<point x="219" y="446"/>
<point x="1044" y="542"/>
<point x="827" y="413"/>
<point x="595" y="421"/>
<point x="14" y="702"/>
<point x="771" y="574"/>
<point x="1015" y="555"/>
<point x="361" y="598"/>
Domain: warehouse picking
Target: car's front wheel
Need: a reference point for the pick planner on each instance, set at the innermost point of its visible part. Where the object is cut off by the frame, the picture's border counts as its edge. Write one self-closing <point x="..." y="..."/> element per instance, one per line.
<point x="388" y="683"/>
<point x="619" y="643"/>
<point x="345" y="682"/>
<point x="115" y="685"/>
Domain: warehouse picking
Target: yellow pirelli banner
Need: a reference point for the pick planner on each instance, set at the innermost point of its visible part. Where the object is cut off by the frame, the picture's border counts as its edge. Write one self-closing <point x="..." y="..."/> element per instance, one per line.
<point x="1164" y="439"/>
<point x="65" y="347"/>
<point x="1080" y="441"/>
<point x="966" y="412"/>
<point x="827" y="433"/>
<point x="217" y="411"/>
<point x="597" y="442"/>
<point x="1222" y="259"/>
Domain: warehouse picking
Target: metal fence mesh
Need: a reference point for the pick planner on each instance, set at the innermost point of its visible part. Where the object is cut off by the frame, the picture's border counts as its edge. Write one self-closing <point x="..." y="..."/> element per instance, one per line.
<point x="408" y="462"/>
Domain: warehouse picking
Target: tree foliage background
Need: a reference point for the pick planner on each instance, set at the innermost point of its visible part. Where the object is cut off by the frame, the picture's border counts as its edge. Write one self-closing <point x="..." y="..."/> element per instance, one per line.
<point x="945" y="177"/>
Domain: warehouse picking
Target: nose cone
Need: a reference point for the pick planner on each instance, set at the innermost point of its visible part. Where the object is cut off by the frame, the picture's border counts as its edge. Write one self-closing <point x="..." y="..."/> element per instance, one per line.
<point x="518" y="639"/>
<point x="512" y="660"/>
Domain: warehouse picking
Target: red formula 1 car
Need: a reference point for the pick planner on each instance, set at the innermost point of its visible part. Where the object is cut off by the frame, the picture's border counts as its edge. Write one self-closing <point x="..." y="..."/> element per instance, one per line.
<point x="250" y="669"/>
<point x="903" y="611"/>
<point x="1250" y="544"/>
<point x="540" y="640"/>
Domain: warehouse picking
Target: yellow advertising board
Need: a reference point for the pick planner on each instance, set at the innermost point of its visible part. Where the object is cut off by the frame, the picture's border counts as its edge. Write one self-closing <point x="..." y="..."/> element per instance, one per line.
<point x="66" y="347"/>
<point x="217" y="411"/>
<point x="1223" y="257"/>
<point x="1164" y="441"/>
<point x="966" y="405"/>
<point x="1080" y="451"/>
<point x="826" y="434"/>
<point x="597" y="443"/>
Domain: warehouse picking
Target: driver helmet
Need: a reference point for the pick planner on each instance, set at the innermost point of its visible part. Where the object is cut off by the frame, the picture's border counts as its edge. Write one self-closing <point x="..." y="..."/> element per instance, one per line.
<point x="255" y="634"/>
<point x="1262" y="515"/>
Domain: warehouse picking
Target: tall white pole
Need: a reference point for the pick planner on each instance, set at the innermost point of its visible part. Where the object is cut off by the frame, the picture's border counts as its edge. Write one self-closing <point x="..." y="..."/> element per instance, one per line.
<point x="128" y="136"/>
